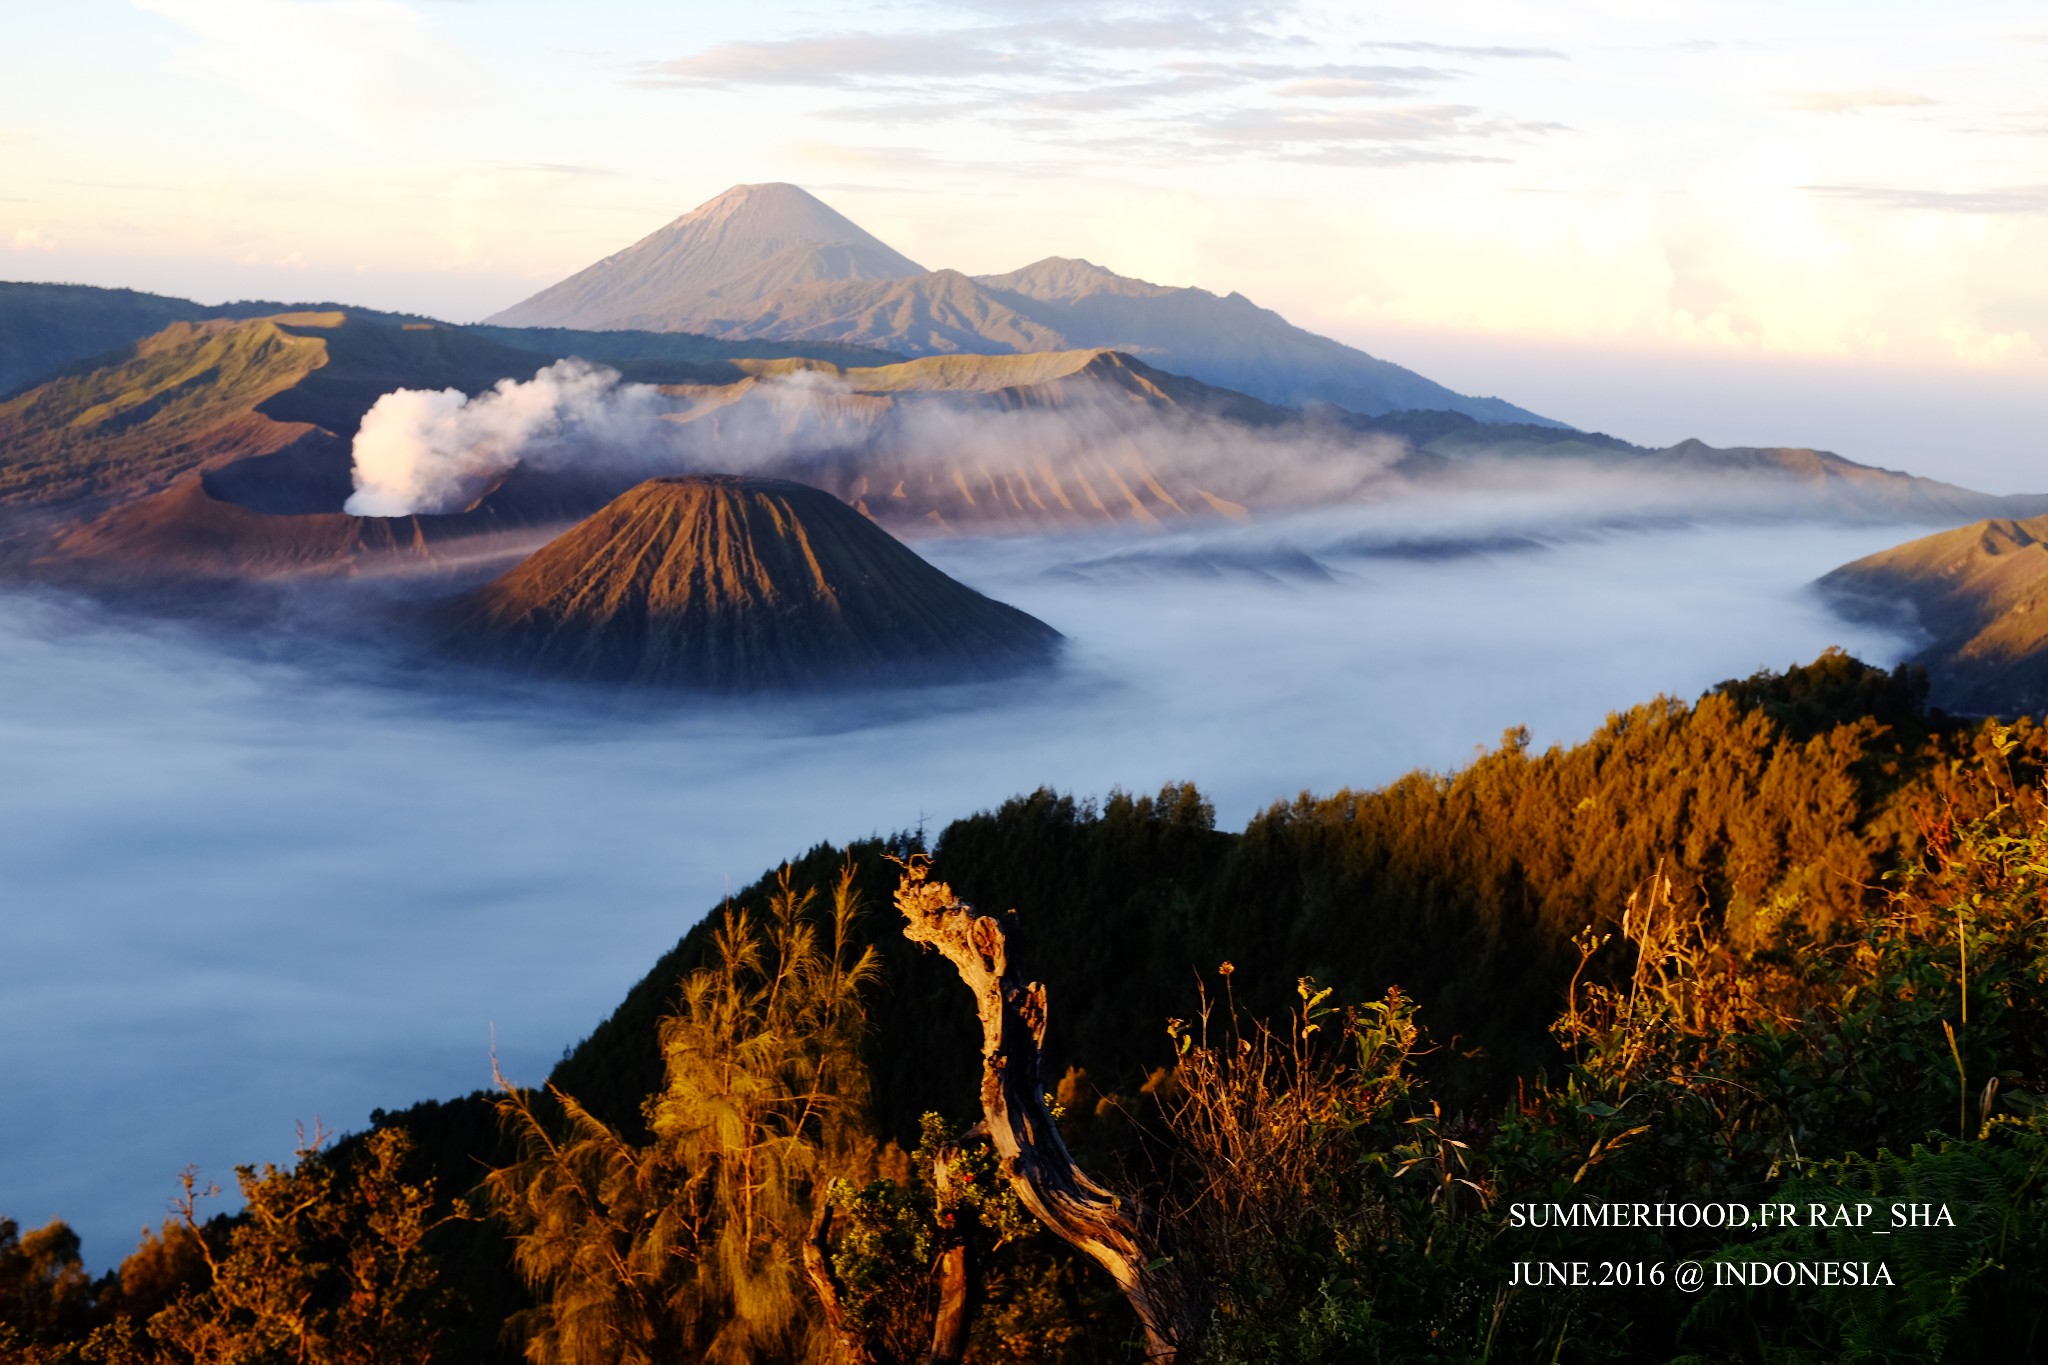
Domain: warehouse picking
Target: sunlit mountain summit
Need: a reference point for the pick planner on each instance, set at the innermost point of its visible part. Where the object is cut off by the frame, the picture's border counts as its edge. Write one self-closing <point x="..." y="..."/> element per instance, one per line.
<point x="749" y="243"/>
<point x="772" y="262"/>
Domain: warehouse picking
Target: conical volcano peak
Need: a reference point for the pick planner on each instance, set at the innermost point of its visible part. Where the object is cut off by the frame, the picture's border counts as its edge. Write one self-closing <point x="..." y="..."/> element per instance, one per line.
<point x="744" y="245"/>
<point x="770" y="262"/>
<point x="778" y="197"/>
<point x="741" y="584"/>
<point x="767" y="218"/>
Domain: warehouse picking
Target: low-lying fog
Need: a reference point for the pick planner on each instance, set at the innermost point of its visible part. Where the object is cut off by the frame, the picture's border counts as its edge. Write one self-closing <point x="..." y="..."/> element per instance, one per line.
<point x="246" y="887"/>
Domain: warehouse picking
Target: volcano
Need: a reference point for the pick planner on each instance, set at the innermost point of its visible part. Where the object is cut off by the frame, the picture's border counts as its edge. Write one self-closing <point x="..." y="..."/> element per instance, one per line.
<point x="749" y="242"/>
<point x="741" y="585"/>
<point x="772" y="263"/>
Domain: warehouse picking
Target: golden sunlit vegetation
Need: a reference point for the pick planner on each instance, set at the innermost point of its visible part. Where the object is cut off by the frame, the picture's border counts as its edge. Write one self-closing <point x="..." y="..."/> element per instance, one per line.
<point x="1976" y="590"/>
<point x="686" y="1246"/>
<point x="1784" y="943"/>
<point x="325" y="1262"/>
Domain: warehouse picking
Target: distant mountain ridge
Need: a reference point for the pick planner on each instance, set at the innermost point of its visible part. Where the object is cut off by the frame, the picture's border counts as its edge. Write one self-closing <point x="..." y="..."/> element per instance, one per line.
<point x="46" y="329"/>
<point x="772" y="262"/>
<point x="222" y="450"/>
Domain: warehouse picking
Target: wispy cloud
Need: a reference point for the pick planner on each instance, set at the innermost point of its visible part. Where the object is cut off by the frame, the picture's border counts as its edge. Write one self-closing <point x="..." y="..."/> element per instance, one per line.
<point x="1294" y="71"/>
<point x="1342" y="89"/>
<point x="550" y="168"/>
<point x="1410" y="135"/>
<point x="1123" y="95"/>
<point x="1369" y="157"/>
<point x="850" y="60"/>
<point x="1186" y="31"/>
<point x="1235" y="16"/>
<point x="1462" y="50"/>
<point x="1851" y="101"/>
<point x="1098" y="46"/>
<point x="1408" y="123"/>
<point x="899" y="161"/>
<point x="1404" y="135"/>
<point x="1161" y="72"/>
<point x="2014" y="199"/>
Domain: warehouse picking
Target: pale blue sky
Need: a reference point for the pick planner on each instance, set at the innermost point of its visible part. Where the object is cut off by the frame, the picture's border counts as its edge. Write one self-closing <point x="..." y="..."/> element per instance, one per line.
<point x="1738" y="192"/>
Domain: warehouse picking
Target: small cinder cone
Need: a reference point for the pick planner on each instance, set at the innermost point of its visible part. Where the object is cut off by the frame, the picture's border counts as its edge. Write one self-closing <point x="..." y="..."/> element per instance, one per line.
<point x="740" y="585"/>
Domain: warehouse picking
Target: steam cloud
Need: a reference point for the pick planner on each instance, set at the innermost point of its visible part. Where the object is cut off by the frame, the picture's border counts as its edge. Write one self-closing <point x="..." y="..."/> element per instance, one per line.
<point x="422" y="450"/>
<point x="1076" y="454"/>
<point x="1089" y="455"/>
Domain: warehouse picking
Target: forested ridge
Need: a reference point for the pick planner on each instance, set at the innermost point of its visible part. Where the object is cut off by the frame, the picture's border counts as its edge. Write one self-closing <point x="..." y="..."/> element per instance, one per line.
<point x="1710" y="953"/>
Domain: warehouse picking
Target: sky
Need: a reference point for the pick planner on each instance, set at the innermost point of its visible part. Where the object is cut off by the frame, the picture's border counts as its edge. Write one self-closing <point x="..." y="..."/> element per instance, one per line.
<point x="1816" y="223"/>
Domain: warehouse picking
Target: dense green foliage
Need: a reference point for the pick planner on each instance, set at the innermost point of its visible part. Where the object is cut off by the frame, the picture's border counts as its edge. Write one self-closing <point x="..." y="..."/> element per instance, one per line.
<point x="1781" y="943"/>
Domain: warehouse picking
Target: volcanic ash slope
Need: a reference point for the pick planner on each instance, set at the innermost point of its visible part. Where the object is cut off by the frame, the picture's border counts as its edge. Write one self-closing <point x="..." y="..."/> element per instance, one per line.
<point x="741" y="585"/>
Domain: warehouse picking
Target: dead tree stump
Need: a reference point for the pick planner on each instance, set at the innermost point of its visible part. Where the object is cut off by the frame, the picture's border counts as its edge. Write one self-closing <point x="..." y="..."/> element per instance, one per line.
<point x="1111" y="1228"/>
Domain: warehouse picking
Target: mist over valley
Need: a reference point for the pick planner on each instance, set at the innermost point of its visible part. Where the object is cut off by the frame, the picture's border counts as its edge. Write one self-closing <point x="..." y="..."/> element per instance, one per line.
<point x="265" y="878"/>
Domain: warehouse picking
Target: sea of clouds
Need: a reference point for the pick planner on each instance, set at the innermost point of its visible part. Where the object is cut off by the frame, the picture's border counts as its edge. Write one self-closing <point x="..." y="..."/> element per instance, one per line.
<point x="254" y="886"/>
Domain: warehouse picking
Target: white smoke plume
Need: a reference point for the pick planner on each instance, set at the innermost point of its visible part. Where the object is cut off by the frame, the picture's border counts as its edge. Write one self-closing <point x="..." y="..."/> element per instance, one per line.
<point x="1080" y="451"/>
<point x="422" y="450"/>
<point x="1090" y="456"/>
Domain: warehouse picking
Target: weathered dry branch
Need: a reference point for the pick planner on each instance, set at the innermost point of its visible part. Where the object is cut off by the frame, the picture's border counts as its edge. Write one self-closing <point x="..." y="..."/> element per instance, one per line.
<point x="1113" y="1229"/>
<point x="817" y="1259"/>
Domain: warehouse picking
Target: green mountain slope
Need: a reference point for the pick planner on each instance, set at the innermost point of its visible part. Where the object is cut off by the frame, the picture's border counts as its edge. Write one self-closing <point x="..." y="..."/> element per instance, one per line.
<point x="201" y="397"/>
<point x="1981" y="594"/>
<point x="186" y="398"/>
<point x="45" y="328"/>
